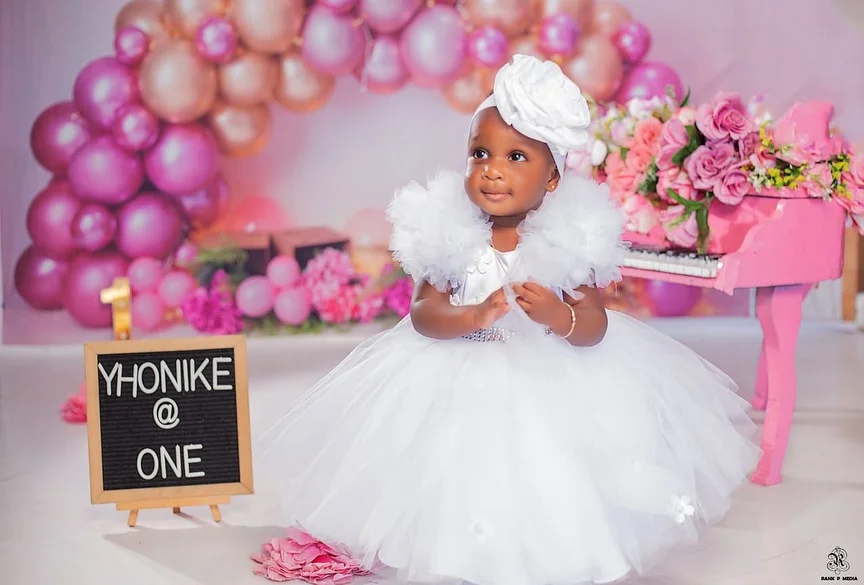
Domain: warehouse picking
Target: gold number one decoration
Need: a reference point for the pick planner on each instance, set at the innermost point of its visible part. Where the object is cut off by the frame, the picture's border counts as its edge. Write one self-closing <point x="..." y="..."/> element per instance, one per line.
<point x="119" y="295"/>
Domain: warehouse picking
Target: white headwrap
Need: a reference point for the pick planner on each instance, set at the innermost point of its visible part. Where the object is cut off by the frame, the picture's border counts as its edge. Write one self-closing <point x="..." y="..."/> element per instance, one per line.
<point x="540" y="102"/>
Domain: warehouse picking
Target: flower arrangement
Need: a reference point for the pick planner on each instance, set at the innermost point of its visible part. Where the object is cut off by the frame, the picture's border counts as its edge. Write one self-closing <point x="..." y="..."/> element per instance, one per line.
<point x="328" y="292"/>
<point x="668" y="163"/>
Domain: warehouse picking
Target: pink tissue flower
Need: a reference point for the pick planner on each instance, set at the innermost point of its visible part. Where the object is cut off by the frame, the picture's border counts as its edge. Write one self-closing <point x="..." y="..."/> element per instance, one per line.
<point x="75" y="408"/>
<point x="301" y="556"/>
<point x="802" y="135"/>
<point x="725" y="117"/>
<point x="680" y="232"/>
<point x="709" y="162"/>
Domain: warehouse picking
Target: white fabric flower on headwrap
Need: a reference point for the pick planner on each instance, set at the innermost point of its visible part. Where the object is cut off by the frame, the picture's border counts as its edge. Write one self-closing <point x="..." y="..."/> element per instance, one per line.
<point x="536" y="98"/>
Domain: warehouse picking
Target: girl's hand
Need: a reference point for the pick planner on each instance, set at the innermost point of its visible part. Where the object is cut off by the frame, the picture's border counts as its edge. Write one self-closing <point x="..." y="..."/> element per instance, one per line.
<point x="490" y="310"/>
<point x="542" y="305"/>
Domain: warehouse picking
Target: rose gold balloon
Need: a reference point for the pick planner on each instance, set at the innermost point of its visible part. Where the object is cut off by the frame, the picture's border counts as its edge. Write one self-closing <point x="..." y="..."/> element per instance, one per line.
<point x="608" y="18"/>
<point x="526" y="45"/>
<point x="268" y="26"/>
<point x="187" y="15"/>
<point x="581" y="10"/>
<point x="597" y="68"/>
<point x="176" y="83"/>
<point x="466" y="93"/>
<point x="240" y="131"/>
<point x="300" y="88"/>
<point x="248" y="79"/>
<point x="511" y="16"/>
<point x="146" y="15"/>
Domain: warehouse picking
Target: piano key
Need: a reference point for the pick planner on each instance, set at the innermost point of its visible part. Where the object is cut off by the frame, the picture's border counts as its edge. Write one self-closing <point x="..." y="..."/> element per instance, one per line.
<point x="672" y="262"/>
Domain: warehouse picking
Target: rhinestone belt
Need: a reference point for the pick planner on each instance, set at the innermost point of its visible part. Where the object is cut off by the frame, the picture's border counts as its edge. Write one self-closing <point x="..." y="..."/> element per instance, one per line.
<point x="495" y="334"/>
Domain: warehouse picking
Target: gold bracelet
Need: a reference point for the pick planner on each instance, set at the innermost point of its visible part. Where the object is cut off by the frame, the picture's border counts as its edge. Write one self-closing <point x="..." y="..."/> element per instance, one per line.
<point x="572" y="321"/>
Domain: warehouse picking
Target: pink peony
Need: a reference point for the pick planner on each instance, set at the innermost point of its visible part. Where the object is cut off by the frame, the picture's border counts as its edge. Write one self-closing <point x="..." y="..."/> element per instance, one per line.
<point x="856" y="169"/>
<point x="366" y="309"/>
<point x="639" y="158"/>
<point x="337" y="308"/>
<point x="679" y="231"/>
<point x="301" y="556"/>
<point x="397" y="298"/>
<point x="733" y="186"/>
<point x="673" y="138"/>
<point x="725" y="117"/>
<point x="677" y="179"/>
<point x="802" y="135"/>
<point x="647" y="133"/>
<point x="708" y="162"/>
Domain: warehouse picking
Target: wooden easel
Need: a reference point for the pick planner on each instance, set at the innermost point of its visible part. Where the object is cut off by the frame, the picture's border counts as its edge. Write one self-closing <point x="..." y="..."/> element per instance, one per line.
<point x="175" y="504"/>
<point x="119" y="295"/>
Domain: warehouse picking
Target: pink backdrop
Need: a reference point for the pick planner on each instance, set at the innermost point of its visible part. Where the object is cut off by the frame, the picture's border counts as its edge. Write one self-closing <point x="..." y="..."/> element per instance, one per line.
<point x="324" y="167"/>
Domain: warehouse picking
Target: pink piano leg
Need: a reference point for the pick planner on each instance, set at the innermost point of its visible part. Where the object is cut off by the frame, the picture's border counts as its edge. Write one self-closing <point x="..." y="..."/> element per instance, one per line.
<point x="760" y="394"/>
<point x="779" y="312"/>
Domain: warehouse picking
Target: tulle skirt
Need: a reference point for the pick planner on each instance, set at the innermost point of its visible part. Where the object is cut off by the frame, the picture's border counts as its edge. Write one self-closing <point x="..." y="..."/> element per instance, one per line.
<point x="526" y="462"/>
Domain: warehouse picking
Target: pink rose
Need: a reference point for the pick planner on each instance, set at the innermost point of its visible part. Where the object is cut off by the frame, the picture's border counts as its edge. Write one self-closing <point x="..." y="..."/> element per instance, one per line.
<point x="687" y="115"/>
<point x="681" y="232"/>
<point x="677" y="180"/>
<point x="853" y="199"/>
<point x="620" y="178"/>
<point x="726" y="117"/>
<point x="707" y="164"/>
<point x="673" y="138"/>
<point x="733" y="186"/>
<point x="751" y="150"/>
<point x="802" y="135"/>
<point x="641" y="215"/>
<point x="819" y="181"/>
<point x="639" y="158"/>
<point x="646" y="133"/>
<point x="856" y="169"/>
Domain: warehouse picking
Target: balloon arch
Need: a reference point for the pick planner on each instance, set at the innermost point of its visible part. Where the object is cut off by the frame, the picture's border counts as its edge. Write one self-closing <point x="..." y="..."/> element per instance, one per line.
<point x="134" y="154"/>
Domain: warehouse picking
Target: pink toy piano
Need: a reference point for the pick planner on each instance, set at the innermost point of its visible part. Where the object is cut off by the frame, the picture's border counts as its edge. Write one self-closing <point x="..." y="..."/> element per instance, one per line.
<point x="782" y="245"/>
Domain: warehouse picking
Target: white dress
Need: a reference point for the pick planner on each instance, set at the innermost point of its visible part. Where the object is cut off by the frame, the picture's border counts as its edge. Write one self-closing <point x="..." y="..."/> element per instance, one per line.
<point x="519" y="460"/>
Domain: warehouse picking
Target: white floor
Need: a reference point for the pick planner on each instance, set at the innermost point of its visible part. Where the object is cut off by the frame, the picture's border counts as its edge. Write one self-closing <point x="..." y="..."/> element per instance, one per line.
<point x="50" y="534"/>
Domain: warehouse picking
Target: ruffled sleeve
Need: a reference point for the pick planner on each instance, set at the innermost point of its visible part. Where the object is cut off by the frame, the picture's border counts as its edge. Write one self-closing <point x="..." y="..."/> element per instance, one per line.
<point x="437" y="231"/>
<point x="576" y="237"/>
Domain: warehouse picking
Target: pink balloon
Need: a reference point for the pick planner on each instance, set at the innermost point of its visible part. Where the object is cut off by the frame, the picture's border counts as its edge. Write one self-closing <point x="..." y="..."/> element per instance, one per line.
<point x="668" y="299"/>
<point x="39" y="280"/>
<point x="257" y="214"/>
<point x="145" y="274"/>
<point x="216" y="39"/>
<point x="58" y="132"/>
<point x="559" y="34"/>
<point x="186" y="254"/>
<point x="255" y="296"/>
<point x="151" y="224"/>
<point x="388" y="16"/>
<point x="49" y="220"/>
<point x="136" y="127"/>
<point x="331" y="42"/>
<point x="340" y="6"/>
<point x="384" y="70"/>
<point x="88" y="274"/>
<point x="633" y="40"/>
<point x="488" y="47"/>
<point x="293" y="306"/>
<point x="176" y="287"/>
<point x="204" y="206"/>
<point x="369" y="227"/>
<point x="147" y="311"/>
<point x="131" y="45"/>
<point x="105" y="172"/>
<point x="283" y="271"/>
<point x="647" y="80"/>
<point x="434" y="46"/>
<point x="183" y="159"/>
<point x="93" y="227"/>
<point x="102" y="88"/>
